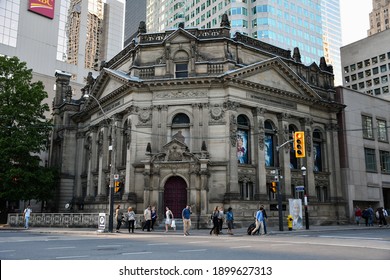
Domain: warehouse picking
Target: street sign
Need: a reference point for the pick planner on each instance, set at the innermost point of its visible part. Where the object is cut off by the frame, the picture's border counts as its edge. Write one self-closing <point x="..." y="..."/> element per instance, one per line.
<point x="299" y="188"/>
<point x="102" y="222"/>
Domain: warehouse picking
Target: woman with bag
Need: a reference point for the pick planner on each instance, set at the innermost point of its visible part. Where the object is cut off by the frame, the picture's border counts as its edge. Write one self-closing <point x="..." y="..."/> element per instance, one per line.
<point x="130" y="218"/>
<point x="214" y="217"/>
<point x="169" y="221"/>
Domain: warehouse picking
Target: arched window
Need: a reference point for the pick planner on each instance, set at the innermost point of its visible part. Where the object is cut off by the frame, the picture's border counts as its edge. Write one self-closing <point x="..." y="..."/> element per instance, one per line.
<point x="243" y="139"/>
<point x="181" y="128"/>
<point x="269" y="144"/>
<point x="317" y="150"/>
<point x="293" y="158"/>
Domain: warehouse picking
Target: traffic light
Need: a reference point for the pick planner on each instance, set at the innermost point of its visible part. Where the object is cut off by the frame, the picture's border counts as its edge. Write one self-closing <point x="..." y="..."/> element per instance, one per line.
<point x="299" y="144"/>
<point x="117" y="186"/>
<point x="274" y="187"/>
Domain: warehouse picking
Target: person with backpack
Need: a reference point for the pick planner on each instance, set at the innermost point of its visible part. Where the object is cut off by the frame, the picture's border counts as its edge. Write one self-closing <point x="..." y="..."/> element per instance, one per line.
<point x="381" y="215"/>
<point x="365" y="215"/>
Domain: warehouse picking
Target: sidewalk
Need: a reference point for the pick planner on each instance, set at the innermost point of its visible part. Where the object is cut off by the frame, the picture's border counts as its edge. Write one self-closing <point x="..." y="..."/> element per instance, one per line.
<point x="195" y="232"/>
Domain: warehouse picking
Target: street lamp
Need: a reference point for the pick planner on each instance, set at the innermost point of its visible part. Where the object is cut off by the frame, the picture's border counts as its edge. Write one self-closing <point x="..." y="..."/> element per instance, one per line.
<point x="112" y="170"/>
<point x="303" y="169"/>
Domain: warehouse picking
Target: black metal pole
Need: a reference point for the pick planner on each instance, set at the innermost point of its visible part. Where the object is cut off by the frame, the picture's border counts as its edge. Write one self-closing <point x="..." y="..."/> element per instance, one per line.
<point x="305" y="202"/>
<point x="111" y="215"/>
<point x="280" y="206"/>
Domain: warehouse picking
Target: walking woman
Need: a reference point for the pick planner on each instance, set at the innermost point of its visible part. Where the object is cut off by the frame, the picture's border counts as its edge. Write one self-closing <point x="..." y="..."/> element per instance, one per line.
<point x="168" y="219"/>
<point x="118" y="216"/>
<point x="215" y="219"/>
<point x="130" y="218"/>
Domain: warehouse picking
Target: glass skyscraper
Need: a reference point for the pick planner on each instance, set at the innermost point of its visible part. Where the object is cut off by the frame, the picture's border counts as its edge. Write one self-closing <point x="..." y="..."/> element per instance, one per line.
<point x="311" y="25"/>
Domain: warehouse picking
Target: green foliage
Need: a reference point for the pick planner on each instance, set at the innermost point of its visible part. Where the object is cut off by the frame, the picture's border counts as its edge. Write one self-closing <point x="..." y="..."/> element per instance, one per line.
<point x="24" y="132"/>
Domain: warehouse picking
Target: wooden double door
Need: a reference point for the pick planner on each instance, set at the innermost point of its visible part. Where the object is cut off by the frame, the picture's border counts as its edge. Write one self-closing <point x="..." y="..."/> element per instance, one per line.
<point x="175" y="195"/>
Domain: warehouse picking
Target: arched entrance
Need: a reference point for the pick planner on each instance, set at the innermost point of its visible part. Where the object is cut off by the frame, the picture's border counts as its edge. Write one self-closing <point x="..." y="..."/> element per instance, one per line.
<point x="175" y="195"/>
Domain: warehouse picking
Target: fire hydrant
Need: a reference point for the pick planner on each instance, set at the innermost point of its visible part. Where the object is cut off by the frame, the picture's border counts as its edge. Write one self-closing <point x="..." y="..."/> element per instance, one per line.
<point x="289" y="222"/>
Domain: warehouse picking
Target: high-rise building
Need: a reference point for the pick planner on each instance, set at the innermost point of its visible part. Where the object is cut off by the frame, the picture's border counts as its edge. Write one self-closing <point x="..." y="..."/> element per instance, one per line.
<point x="135" y="13"/>
<point x="379" y="17"/>
<point x="68" y="35"/>
<point x="332" y="39"/>
<point x="366" y="65"/>
<point x="311" y="25"/>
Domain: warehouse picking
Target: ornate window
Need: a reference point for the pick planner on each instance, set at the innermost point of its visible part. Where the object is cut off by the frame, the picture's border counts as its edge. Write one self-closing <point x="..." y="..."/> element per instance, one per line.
<point x="318" y="150"/>
<point x="243" y="139"/>
<point x="269" y="144"/>
<point x="181" y="128"/>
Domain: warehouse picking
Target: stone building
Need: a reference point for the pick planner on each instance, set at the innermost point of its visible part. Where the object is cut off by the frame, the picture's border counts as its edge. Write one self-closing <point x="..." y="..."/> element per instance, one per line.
<point x="193" y="116"/>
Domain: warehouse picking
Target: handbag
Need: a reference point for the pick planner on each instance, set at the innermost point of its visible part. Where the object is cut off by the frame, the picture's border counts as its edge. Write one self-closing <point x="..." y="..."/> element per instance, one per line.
<point x="173" y="224"/>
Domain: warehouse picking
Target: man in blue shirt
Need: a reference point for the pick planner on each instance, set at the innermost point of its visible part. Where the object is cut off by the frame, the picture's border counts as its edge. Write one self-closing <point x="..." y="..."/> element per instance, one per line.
<point x="186" y="216"/>
<point x="259" y="221"/>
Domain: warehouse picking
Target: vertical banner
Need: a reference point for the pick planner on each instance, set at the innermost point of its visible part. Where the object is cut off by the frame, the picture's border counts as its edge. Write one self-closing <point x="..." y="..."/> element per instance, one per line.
<point x="296" y="212"/>
<point x="42" y="7"/>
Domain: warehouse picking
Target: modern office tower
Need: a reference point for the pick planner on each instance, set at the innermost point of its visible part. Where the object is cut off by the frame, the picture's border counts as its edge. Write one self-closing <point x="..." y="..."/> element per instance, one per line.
<point x="135" y="13"/>
<point x="311" y="25"/>
<point x="379" y="17"/>
<point x="332" y="39"/>
<point x="68" y="35"/>
<point x="366" y="65"/>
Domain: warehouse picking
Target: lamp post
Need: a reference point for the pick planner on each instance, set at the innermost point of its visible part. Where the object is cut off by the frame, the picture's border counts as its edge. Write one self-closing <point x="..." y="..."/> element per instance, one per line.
<point x="112" y="169"/>
<point x="303" y="169"/>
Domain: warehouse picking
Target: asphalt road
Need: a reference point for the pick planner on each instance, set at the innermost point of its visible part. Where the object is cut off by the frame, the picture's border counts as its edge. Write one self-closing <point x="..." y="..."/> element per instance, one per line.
<point x="362" y="244"/>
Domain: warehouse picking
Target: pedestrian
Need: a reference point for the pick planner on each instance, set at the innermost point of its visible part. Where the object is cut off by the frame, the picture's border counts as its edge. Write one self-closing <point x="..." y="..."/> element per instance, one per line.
<point x="230" y="220"/>
<point x="220" y="219"/>
<point x="168" y="219"/>
<point x="358" y="215"/>
<point x="365" y="215"/>
<point x="130" y="219"/>
<point x="26" y="215"/>
<point x="214" y="218"/>
<point x="186" y="216"/>
<point x="381" y="215"/>
<point x="371" y="216"/>
<point x="265" y="217"/>
<point x="259" y="222"/>
<point x="147" y="218"/>
<point x="154" y="217"/>
<point x="118" y="217"/>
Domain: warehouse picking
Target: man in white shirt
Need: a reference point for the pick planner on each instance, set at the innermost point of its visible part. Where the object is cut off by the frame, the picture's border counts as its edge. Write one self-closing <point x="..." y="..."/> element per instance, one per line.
<point x="26" y="215"/>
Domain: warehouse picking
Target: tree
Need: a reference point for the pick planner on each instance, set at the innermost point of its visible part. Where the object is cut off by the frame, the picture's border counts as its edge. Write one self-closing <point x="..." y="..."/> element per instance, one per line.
<point x="24" y="132"/>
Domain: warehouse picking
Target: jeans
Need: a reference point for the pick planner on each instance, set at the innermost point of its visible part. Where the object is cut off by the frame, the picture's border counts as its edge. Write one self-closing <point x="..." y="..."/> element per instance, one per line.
<point x="26" y="224"/>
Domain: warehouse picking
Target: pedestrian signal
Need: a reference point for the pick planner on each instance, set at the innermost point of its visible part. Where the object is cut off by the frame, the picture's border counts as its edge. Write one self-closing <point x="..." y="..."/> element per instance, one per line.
<point x="299" y="144"/>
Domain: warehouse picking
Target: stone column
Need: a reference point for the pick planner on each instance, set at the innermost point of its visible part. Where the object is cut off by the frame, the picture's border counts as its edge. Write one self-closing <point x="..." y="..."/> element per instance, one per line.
<point x="259" y="132"/>
<point x="306" y="126"/>
<point x="232" y="189"/>
<point x="284" y="154"/>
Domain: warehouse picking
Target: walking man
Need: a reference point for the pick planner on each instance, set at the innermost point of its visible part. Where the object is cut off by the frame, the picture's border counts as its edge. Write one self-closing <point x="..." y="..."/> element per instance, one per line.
<point x="26" y="215"/>
<point x="259" y="222"/>
<point x="186" y="216"/>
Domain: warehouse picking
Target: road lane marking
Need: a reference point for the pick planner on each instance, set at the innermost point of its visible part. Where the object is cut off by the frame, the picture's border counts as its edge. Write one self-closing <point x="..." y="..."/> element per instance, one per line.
<point x="108" y="246"/>
<point x="137" y="253"/>
<point x="239" y="247"/>
<point x="157" y="244"/>
<point x="198" y="242"/>
<point x="351" y="237"/>
<point x="72" y="257"/>
<point x="7" y="251"/>
<point x="189" y="251"/>
<point x="59" y="248"/>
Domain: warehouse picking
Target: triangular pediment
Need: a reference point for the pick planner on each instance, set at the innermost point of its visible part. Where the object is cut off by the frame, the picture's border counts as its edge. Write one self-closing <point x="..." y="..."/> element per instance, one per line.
<point x="111" y="81"/>
<point x="179" y="36"/>
<point x="274" y="74"/>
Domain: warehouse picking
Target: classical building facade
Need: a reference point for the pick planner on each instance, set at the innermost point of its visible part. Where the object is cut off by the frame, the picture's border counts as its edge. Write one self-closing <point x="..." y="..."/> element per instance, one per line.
<point x="193" y="116"/>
